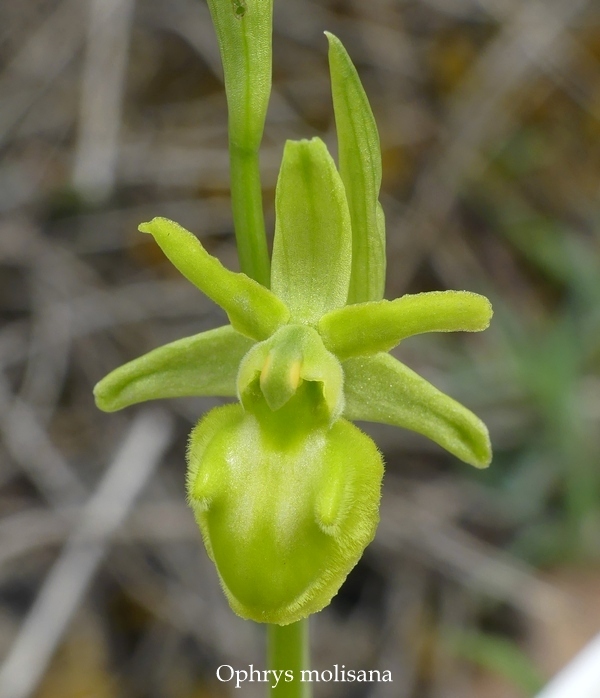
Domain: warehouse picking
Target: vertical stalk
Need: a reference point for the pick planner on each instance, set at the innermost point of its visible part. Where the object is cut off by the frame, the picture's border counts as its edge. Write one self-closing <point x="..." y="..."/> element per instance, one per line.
<point x="288" y="650"/>
<point x="244" y="32"/>
<point x="246" y="199"/>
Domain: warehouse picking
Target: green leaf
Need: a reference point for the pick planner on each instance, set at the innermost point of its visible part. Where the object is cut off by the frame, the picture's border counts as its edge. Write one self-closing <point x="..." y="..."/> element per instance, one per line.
<point x="252" y="309"/>
<point x="380" y="389"/>
<point x="368" y="328"/>
<point x="497" y="654"/>
<point x="205" y="364"/>
<point x="244" y="32"/>
<point x="312" y="246"/>
<point x="284" y="519"/>
<point x="360" y="169"/>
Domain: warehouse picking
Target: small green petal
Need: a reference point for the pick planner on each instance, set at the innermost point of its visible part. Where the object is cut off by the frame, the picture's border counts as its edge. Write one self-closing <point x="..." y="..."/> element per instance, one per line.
<point x="368" y="328"/>
<point x="380" y="389"/>
<point x="252" y="309"/>
<point x="284" y="520"/>
<point x="313" y="238"/>
<point x="205" y="364"/>
<point x="360" y="169"/>
<point x="295" y="353"/>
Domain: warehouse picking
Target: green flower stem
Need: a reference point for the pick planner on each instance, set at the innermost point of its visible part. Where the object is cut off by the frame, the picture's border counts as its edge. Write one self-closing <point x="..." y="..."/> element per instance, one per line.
<point x="244" y="32"/>
<point x="288" y="651"/>
<point x="246" y="199"/>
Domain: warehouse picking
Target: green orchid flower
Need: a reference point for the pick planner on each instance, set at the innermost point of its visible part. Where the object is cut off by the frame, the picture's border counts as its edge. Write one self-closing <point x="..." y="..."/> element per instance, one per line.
<point x="284" y="487"/>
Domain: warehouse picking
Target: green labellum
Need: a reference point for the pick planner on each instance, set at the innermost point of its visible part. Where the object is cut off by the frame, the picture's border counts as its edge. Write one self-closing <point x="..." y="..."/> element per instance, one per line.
<point x="286" y="505"/>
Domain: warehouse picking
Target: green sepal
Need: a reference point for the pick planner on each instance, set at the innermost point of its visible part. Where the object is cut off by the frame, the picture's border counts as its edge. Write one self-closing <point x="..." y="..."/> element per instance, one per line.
<point x="313" y="238"/>
<point x="360" y="169"/>
<point x="252" y="309"/>
<point x="244" y="32"/>
<point x="368" y="328"/>
<point x="204" y="364"/>
<point x="285" y="508"/>
<point x="380" y="389"/>
<point x="295" y="353"/>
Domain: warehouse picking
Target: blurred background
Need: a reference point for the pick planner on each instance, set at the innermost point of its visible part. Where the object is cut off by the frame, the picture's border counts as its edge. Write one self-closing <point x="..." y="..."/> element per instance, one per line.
<point x="112" y="112"/>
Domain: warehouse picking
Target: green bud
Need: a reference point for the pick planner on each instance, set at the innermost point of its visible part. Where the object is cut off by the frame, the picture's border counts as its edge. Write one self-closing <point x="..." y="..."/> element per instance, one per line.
<point x="244" y="29"/>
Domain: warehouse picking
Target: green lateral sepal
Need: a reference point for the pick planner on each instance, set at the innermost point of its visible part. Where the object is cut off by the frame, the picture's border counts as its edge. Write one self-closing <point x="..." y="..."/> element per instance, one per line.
<point x="381" y="389"/>
<point x="368" y="328"/>
<point x="360" y="169"/>
<point x="252" y="309"/>
<point x="244" y="31"/>
<point x="285" y="510"/>
<point x="295" y="353"/>
<point x="312" y="247"/>
<point x="205" y="364"/>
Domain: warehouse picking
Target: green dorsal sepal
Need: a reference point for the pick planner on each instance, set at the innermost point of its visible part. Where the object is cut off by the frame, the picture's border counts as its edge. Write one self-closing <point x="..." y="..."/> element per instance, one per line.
<point x="380" y="389"/>
<point x="313" y="237"/>
<point x="360" y="169"/>
<point x="368" y="328"/>
<point x="293" y="355"/>
<point x="252" y="309"/>
<point x="205" y="364"/>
